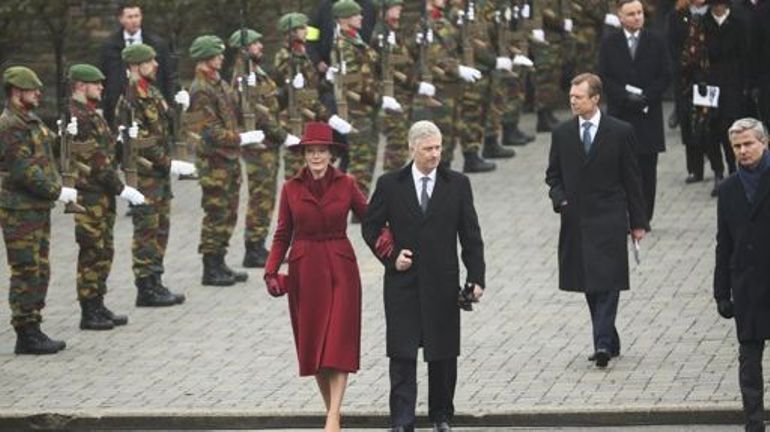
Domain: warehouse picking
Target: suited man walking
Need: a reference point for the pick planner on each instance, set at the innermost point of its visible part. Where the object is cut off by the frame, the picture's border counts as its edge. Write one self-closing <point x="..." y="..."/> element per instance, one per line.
<point x="427" y="207"/>
<point x="596" y="188"/>
<point x="742" y="276"/>
<point x="635" y="75"/>
<point x="129" y="14"/>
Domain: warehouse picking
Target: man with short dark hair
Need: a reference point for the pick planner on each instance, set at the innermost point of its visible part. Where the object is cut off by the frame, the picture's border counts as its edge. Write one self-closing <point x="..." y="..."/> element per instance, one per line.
<point x="742" y="276"/>
<point x="596" y="188"/>
<point x="129" y="15"/>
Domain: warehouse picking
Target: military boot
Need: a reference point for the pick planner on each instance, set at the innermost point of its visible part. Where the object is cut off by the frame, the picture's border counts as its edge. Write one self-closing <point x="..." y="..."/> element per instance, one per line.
<point x="31" y="340"/>
<point x="493" y="150"/>
<point x="256" y="254"/>
<point x="213" y="272"/>
<point x="513" y="136"/>
<point x="91" y="317"/>
<point x="475" y="164"/>
<point x="543" y="122"/>
<point x="148" y="294"/>
<point x="160" y="287"/>
<point x="237" y="276"/>
<point x="117" y="320"/>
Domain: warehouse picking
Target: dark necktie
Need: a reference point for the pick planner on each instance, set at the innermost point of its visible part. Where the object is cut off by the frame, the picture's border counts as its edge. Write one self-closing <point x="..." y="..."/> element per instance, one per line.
<point x="129" y="41"/>
<point x="424" y="198"/>
<point x="587" y="136"/>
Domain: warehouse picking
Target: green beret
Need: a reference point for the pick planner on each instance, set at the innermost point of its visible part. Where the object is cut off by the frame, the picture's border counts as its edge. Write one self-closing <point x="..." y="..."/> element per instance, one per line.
<point x="251" y="37"/>
<point x="85" y="73"/>
<point x="205" y="47"/>
<point x="22" y="77"/>
<point x="389" y="3"/>
<point x="137" y="53"/>
<point x="345" y="9"/>
<point x="292" y="20"/>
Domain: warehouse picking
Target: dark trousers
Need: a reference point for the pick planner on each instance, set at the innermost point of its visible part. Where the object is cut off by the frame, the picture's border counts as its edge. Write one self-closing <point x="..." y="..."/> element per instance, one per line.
<point x="720" y="124"/>
<point x="648" y="166"/>
<point x="752" y="385"/>
<point x="442" y="378"/>
<point x="604" y="310"/>
<point x="697" y="143"/>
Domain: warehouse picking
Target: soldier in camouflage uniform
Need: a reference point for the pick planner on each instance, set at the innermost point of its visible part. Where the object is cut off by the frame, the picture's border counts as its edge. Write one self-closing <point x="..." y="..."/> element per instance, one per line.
<point x="213" y="115"/>
<point x="292" y="67"/>
<point x="589" y="17"/>
<point x="520" y="23"/>
<point x="261" y="162"/>
<point x="92" y="148"/>
<point x="145" y="118"/>
<point x="550" y="50"/>
<point x="30" y="187"/>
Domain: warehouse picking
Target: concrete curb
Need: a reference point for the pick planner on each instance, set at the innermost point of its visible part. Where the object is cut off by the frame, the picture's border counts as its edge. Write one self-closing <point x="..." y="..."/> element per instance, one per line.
<point x="62" y="420"/>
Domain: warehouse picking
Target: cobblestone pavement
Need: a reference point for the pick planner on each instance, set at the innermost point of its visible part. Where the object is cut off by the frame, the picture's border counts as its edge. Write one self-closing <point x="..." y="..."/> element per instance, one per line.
<point x="230" y="350"/>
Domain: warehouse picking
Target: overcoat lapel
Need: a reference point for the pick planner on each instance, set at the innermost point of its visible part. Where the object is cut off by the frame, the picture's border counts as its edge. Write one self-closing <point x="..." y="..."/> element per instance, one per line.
<point x="760" y="195"/>
<point x="440" y="192"/>
<point x="409" y="196"/>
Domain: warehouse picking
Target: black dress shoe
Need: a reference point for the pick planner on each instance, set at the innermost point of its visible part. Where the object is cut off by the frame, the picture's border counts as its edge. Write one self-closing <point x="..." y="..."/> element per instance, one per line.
<point x="602" y="359"/>
<point x="442" y="427"/>
<point x="592" y="357"/>
<point x="408" y="428"/>
<point x="692" y="178"/>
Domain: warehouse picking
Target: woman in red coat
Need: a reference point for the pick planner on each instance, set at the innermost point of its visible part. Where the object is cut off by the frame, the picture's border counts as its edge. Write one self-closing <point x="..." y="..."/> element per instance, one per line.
<point x="323" y="284"/>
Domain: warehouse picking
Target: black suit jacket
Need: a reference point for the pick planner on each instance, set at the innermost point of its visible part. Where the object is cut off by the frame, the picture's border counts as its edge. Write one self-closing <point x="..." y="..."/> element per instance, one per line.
<point x="743" y="256"/>
<point x="650" y="71"/>
<point x="421" y="302"/>
<point x="603" y="193"/>
<point x="728" y="53"/>
<point x="114" y="70"/>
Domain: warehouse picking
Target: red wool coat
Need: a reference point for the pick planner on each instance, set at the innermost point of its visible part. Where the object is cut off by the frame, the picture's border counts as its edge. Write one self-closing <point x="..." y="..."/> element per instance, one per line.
<point x="324" y="286"/>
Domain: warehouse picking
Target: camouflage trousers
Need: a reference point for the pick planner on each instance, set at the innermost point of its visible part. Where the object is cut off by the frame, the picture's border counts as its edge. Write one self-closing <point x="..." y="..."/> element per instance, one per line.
<point x="587" y="44"/>
<point x="395" y="126"/>
<point x="547" y="58"/>
<point x="514" y="95"/>
<point x="220" y="181"/>
<point x="151" y="228"/>
<point x="468" y="118"/>
<point x="500" y="98"/>
<point x="443" y="117"/>
<point x="27" y="236"/>
<point x="261" y="173"/>
<point x="362" y="148"/>
<point x="93" y="233"/>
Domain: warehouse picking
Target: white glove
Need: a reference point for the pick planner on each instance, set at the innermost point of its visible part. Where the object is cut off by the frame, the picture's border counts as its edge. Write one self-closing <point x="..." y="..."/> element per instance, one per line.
<point x="252" y="137"/>
<point x="340" y="125"/>
<point x="525" y="12"/>
<point x="568" y="25"/>
<point x="291" y="140"/>
<point x="330" y="72"/>
<point x="298" y="82"/>
<point x="133" y="131"/>
<point x="182" y="98"/>
<point x="521" y="60"/>
<point x="392" y="38"/>
<point x="182" y="168"/>
<point x="612" y="20"/>
<point x="68" y="195"/>
<point x="538" y="35"/>
<point x="133" y="196"/>
<point x="389" y="103"/>
<point x="504" y="63"/>
<point x="426" y="89"/>
<point x="469" y="74"/>
<point x="72" y="126"/>
<point x="251" y="80"/>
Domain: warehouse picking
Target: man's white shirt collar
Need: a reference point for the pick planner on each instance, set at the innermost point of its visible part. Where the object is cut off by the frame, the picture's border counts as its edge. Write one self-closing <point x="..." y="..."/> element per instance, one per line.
<point x="135" y="38"/>
<point x="417" y="176"/>
<point x="593" y="120"/>
<point x="629" y="34"/>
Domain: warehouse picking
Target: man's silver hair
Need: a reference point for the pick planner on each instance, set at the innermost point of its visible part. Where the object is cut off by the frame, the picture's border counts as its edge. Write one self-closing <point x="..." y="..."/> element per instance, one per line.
<point x="421" y="130"/>
<point x="748" y="124"/>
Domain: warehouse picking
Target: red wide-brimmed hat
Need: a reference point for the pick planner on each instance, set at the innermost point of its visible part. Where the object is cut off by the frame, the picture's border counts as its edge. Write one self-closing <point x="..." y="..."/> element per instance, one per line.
<point x="317" y="133"/>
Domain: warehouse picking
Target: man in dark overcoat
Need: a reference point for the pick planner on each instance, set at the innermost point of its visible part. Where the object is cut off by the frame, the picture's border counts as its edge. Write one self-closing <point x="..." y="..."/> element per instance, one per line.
<point x="635" y="75"/>
<point x="742" y="274"/>
<point x="129" y="15"/>
<point x="596" y="188"/>
<point x="427" y="208"/>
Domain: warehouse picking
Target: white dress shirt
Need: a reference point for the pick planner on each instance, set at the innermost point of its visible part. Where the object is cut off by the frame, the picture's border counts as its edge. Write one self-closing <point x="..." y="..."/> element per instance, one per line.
<point x="135" y="38"/>
<point x="628" y="37"/>
<point x="594" y="125"/>
<point x="417" y="176"/>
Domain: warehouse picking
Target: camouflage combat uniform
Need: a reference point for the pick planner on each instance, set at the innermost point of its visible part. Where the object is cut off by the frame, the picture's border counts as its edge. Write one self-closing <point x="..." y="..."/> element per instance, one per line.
<point x="588" y="16"/>
<point x="549" y="57"/>
<point x="29" y="190"/>
<point x="152" y="220"/>
<point x="94" y="146"/>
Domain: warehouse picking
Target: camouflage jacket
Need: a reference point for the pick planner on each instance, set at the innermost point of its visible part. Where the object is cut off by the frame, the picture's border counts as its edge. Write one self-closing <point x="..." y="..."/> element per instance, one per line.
<point x="27" y="149"/>
<point x="477" y="35"/>
<point x="589" y="19"/>
<point x="308" y="101"/>
<point x="553" y="13"/>
<point x="360" y="65"/>
<point x="213" y="115"/>
<point x="151" y="113"/>
<point x="444" y="53"/>
<point x="94" y="146"/>
<point x="263" y="101"/>
<point x="401" y="63"/>
<point x="506" y="15"/>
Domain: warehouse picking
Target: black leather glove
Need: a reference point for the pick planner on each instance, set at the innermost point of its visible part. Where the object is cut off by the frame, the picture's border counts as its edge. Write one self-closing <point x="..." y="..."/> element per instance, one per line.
<point x="725" y="308"/>
<point x="636" y="102"/>
<point x="703" y="89"/>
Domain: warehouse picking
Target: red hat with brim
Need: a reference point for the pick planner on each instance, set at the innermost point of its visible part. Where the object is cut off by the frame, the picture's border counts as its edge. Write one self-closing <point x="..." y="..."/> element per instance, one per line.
<point x="317" y="133"/>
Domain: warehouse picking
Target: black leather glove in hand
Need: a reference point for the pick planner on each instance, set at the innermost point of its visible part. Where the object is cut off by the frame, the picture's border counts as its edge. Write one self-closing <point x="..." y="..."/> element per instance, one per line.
<point x="725" y="308"/>
<point x="703" y="89"/>
<point x="636" y="102"/>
